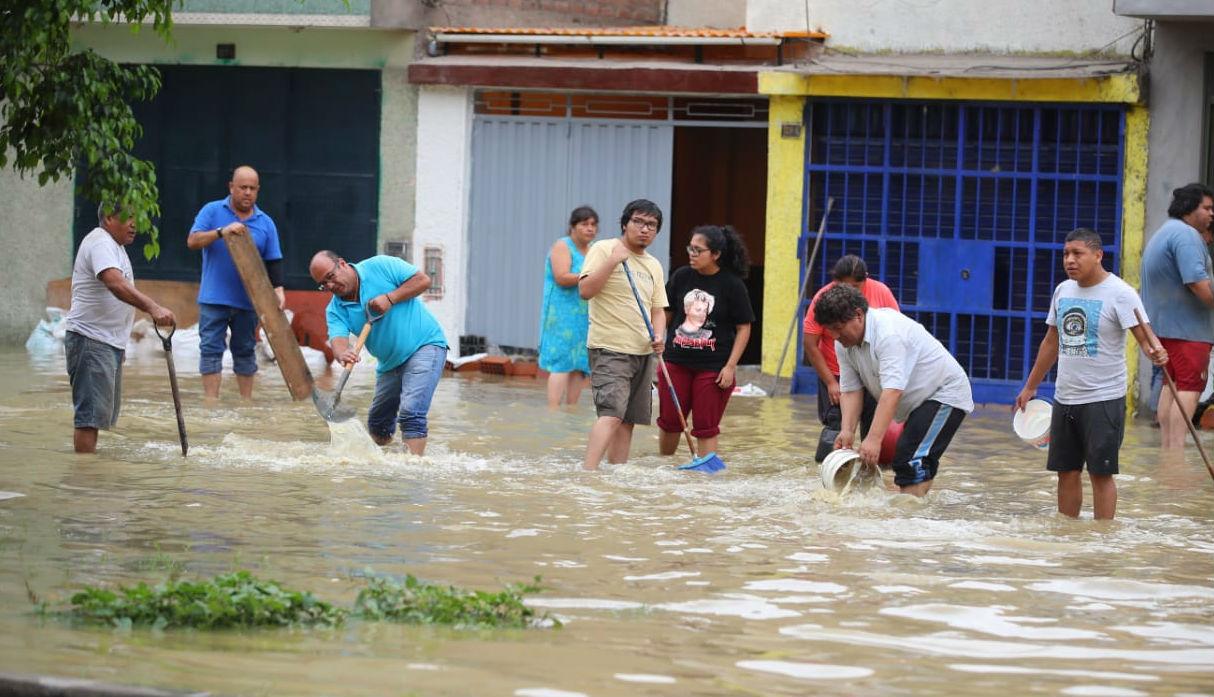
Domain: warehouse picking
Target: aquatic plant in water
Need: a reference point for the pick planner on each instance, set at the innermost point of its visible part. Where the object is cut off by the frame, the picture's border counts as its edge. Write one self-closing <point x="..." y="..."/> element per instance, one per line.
<point x="416" y="602"/>
<point x="232" y="600"/>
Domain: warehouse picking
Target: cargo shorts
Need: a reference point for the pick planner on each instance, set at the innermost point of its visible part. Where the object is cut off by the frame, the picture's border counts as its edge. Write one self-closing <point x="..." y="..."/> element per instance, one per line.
<point x="622" y="384"/>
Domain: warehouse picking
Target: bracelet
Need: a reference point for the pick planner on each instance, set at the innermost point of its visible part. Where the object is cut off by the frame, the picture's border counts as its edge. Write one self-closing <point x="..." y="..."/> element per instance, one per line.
<point x="389" y="297"/>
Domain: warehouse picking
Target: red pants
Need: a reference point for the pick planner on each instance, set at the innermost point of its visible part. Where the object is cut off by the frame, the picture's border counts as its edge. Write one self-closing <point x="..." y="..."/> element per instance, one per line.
<point x="698" y="393"/>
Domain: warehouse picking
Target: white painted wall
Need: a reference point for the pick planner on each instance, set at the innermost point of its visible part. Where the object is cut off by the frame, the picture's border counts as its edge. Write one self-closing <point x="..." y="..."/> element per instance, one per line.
<point x="444" y="142"/>
<point x="1001" y="26"/>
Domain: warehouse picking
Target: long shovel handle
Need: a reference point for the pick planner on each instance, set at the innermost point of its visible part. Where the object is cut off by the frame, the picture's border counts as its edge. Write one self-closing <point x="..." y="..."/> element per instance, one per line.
<point x="796" y="313"/>
<point x="345" y="375"/>
<point x="1188" y="421"/>
<point x="167" y="342"/>
<point x="661" y="363"/>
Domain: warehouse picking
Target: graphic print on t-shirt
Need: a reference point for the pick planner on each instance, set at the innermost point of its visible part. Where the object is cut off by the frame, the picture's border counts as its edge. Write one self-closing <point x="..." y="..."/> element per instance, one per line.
<point x="696" y="330"/>
<point x="1079" y="326"/>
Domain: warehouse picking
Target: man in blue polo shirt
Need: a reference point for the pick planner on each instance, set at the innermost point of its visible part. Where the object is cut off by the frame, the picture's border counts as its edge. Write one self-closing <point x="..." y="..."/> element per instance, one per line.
<point x="222" y="300"/>
<point x="407" y="341"/>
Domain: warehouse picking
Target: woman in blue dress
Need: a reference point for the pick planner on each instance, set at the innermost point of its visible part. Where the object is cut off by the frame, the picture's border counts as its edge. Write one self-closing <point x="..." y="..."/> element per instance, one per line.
<point x="563" y="316"/>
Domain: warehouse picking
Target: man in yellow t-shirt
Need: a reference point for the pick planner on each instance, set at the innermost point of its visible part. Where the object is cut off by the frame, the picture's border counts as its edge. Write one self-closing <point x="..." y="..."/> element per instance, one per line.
<point x="621" y="349"/>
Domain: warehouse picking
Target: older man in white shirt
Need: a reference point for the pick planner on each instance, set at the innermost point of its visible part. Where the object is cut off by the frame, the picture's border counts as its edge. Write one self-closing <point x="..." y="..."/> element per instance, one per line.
<point x="911" y="375"/>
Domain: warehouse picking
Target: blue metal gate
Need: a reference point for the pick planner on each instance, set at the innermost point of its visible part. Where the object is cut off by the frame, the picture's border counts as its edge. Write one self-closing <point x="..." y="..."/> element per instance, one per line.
<point x="961" y="209"/>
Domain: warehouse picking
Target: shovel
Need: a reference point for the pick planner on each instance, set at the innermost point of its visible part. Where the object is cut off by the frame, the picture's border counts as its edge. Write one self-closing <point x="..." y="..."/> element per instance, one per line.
<point x="327" y="402"/>
<point x="709" y="463"/>
<point x="168" y="357"/>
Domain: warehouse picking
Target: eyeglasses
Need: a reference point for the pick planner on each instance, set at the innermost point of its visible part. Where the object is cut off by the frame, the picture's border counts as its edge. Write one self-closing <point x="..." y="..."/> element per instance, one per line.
<point x="328" y="278"/>
<point x="695" y="251"/>
<point x="644" y="224"/>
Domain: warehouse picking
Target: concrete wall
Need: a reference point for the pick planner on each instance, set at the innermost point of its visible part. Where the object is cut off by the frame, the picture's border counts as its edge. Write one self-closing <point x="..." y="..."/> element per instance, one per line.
<point x="1176" y="94"/>
<point x="720" y="14"/>
<point x="951" y="25"/>
<point x="412" y="14"/>
<point x="444" y="143"/>
<point x="37" y="221"/>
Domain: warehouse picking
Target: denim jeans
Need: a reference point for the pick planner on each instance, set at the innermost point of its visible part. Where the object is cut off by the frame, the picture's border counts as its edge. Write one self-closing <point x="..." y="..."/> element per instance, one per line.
<point x="403" y="394"/>
<point x="213" y="323"/>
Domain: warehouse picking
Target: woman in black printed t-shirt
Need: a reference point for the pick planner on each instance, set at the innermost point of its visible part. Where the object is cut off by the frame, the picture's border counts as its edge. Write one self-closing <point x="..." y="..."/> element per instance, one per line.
<point x="709" y="320"/>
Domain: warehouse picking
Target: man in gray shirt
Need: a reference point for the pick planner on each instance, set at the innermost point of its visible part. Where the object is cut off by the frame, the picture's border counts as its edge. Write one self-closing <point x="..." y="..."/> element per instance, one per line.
<point x="1177" y="293"/>
<point x="911" y="375"/>
<point x="99" y="324"/>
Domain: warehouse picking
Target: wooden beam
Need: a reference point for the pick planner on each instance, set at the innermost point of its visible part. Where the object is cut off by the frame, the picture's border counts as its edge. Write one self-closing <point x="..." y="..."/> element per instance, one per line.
<point x="663" y="80"/>
<point x="287" y="353"/>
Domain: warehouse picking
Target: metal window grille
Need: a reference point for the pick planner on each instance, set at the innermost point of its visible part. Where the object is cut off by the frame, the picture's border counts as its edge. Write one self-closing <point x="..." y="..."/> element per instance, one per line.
<point x="961" y="209"/>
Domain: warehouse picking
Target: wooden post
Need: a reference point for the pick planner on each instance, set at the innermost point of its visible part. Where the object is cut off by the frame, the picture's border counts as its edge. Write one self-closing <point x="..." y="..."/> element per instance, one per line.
<point x="287" y="353"/>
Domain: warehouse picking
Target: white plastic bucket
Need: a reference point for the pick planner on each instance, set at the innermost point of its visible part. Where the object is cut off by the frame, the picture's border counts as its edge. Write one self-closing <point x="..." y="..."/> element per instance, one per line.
<point x="1033" y="424"/>
<point x="844" y="467"/>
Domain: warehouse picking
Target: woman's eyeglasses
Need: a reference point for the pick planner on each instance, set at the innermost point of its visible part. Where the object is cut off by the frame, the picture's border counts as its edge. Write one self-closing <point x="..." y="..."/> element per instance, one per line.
<point x="695" y="251"/>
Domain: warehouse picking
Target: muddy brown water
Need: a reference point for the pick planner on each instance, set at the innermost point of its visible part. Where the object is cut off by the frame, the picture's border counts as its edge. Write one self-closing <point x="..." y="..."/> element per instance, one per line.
<point x="754" y="581"/>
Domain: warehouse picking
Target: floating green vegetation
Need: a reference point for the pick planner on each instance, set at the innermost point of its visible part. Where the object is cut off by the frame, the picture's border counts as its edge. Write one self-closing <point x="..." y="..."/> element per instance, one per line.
<point x="242" y="600"/>
<point x="417" y="602"/>
<point x="231" y="600"/>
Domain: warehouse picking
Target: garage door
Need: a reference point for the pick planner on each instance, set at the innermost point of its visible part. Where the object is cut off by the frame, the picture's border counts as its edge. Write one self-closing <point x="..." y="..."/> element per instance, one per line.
<point x="312" y="134"/>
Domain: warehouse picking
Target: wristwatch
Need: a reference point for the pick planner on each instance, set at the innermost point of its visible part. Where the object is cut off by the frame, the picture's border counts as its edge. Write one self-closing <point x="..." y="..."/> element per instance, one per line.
<point x="219" y="231"/>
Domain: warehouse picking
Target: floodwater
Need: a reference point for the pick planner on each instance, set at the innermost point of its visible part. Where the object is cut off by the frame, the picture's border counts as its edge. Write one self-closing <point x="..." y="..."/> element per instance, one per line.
<point x="754" y="581"/>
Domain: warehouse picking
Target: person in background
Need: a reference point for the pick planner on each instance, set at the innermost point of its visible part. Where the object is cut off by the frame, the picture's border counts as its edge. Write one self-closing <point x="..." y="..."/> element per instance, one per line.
<point x="1179" y="298"/>
<point x="564" y="316"/>
<point x="99" y="323"/>
<point x="1085" y="335"/>
<point x="711" y="313"/>
<point x="223" y="303"/>
<point x="620" y="347"/>
<point x="820" y="350"/>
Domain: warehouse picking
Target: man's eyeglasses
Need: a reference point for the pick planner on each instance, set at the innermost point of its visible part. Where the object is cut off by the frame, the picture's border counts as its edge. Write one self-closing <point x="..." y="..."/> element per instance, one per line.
<point x="644" y="224"/>
<point x="328" y="278"/>
<point x="695" y="251"/>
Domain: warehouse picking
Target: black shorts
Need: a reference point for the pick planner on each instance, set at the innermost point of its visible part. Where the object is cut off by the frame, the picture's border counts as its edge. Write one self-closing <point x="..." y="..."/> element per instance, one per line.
<point x="928" y="431"/>
<point x="1088" y="433"/>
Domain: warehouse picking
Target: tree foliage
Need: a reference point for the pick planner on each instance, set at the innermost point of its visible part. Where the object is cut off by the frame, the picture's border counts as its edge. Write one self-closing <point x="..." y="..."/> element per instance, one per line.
<point x="60" y="107"/>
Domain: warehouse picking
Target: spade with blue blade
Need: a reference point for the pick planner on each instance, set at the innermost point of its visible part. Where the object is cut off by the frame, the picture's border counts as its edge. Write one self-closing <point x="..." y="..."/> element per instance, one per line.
<point x="709" y="463"/>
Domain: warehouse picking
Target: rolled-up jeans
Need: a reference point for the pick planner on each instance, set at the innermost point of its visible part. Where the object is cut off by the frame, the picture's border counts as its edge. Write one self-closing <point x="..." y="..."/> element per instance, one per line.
<point x="403" y="394"/>
<point x="213" y="324"/>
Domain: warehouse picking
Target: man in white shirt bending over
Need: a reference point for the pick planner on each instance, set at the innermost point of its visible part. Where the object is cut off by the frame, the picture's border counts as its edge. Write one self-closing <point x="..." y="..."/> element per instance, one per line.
<point x="911" y="375"/>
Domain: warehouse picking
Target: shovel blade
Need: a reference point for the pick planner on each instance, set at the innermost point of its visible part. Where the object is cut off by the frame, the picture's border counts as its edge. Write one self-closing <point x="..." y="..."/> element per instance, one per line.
<point x="329" y="411"/>
<point x="709" y="463"/>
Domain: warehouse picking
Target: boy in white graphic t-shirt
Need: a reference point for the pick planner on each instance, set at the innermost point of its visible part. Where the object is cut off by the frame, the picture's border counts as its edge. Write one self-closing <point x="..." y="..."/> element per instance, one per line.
<point x="1089" y="315"/>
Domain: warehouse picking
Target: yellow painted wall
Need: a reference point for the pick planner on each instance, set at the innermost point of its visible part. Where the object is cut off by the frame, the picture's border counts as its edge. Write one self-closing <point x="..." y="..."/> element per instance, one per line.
<point x="785" y="191"/>
<point x="1133" y="225"/>
<point x="1124" y="89"/>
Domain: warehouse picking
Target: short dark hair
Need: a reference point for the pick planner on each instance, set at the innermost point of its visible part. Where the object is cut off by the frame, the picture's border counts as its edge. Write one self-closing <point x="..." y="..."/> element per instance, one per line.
<point x="1087" y="236"/>
<point x="582" y="213"/>
<point x="838" y="304"/>
<point x="641" y="205"/>
<point x="1187" y="198"/>
<point x="850" y="266"/>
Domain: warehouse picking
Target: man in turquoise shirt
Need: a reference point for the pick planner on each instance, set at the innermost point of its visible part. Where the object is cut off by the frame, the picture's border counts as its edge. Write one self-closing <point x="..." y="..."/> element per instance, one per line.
<point x="408" y="342"/>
